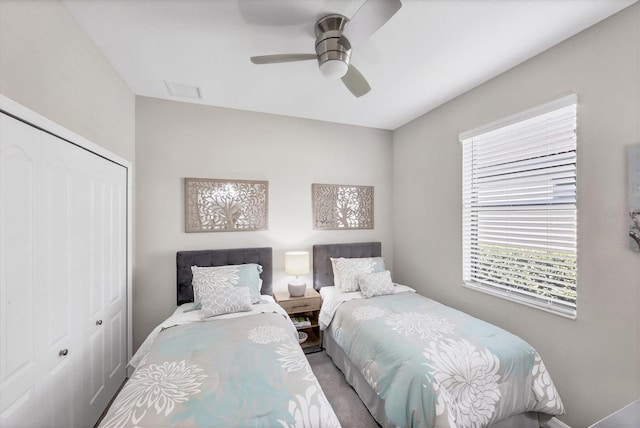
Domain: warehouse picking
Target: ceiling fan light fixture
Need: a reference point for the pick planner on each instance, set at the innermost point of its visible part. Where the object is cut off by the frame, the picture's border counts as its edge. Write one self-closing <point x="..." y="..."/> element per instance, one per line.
<point x="334" y="36"/>
<point x="333" y="55"/>
<point x="334" y="68"/>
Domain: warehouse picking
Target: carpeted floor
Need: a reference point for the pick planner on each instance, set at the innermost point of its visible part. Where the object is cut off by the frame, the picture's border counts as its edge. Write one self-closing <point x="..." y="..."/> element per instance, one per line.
<point x="344" y="400"/>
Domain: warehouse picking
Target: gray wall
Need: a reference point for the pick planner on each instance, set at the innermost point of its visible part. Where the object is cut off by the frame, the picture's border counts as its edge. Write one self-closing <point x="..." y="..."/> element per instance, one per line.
<point x="49" y="65"/>
<point x="176" y="140"/>
<point x="595" y="359"/>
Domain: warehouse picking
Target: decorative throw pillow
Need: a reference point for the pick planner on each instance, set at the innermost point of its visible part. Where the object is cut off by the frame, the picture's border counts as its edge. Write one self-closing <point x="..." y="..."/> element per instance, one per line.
<point x="376" y="284"/>
<point x="347" y="270"/>
<point x="230" y="276"/>
<point x="219" y="301"/>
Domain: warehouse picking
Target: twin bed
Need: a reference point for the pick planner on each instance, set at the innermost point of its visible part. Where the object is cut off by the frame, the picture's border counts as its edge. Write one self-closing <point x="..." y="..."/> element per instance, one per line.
<point x="417" y="363"/>
<point x="239" y="369"/>
<point x="412" y="361"/>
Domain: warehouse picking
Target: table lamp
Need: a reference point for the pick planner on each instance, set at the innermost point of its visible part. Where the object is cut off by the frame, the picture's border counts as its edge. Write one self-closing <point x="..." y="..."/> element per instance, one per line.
<point x="296" y="263"/>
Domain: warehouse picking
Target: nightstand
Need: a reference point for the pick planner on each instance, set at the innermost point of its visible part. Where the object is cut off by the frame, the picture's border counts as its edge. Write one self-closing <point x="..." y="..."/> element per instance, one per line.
<point x="307" y="306"/>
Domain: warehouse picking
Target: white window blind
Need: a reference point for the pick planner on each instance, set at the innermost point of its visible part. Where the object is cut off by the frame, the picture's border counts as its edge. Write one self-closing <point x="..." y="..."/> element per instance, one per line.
<point x="519" y="208"/>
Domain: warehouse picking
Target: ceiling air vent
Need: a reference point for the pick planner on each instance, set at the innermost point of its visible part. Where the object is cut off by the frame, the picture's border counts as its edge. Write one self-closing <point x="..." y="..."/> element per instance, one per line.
<point x="183" y="90"/>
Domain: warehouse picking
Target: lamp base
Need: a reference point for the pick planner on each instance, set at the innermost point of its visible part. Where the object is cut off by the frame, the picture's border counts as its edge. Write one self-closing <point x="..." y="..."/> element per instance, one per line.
<point x="297" y="289"/>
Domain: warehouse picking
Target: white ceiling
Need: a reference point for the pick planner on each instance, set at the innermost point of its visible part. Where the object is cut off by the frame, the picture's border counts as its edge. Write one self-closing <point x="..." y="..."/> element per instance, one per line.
<point x="429" y="52"/>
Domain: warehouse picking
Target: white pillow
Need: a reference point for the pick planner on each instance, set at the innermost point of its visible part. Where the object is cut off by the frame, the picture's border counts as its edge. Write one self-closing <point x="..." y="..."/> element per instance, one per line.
<point x="225" y="301"/>
<point x="210" y="277"/>
<point x="347" y="270"/>
<point x="376" y="284"/>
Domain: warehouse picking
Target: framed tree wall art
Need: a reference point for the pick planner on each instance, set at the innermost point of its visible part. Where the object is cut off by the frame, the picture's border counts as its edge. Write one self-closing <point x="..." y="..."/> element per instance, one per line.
<point x="342" y="206"/>
<point x="218" y="205"/>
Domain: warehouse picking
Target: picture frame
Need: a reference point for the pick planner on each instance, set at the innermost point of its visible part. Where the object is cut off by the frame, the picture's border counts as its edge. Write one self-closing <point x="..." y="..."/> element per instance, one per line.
<point x="223" y="205"/>
<point x="340" y="206"/>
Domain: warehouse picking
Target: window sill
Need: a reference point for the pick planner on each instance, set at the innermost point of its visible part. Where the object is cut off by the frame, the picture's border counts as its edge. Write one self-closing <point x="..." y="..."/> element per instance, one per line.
<point x="532" y="303"/>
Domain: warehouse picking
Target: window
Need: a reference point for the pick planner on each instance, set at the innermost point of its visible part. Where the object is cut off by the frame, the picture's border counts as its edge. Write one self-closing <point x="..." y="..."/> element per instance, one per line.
<point x="519" y="207"/>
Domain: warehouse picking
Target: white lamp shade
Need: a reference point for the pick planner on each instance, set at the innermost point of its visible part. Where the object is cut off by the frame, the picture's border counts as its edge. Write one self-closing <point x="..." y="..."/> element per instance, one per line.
<point x="296" y="262"/>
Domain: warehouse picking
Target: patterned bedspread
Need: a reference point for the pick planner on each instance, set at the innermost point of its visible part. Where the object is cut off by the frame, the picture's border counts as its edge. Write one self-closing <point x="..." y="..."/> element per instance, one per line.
<point x="438" y="367"/>
<point x="240" y="372"/>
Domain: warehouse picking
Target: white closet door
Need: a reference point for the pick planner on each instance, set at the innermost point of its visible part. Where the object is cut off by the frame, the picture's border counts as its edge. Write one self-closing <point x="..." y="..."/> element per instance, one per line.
<point x="20" y="322"/>
<point x="115" y="320"/>
<point x="107" y="285"/>
<point x="58" y="260"/>
<point x="60" y="222"/>
<point x="40" y="328"/>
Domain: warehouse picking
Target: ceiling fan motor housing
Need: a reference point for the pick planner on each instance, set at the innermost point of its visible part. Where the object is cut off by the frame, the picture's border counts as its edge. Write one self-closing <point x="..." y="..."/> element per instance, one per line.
<point x="333" y="55"/>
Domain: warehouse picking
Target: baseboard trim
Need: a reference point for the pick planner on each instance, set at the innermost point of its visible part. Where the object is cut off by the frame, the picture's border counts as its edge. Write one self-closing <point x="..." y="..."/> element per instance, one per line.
<point x="556" y="423"/>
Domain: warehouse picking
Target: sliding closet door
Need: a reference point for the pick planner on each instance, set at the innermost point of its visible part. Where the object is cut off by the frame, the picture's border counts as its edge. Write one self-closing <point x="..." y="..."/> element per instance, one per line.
<point x="62" y="254"/>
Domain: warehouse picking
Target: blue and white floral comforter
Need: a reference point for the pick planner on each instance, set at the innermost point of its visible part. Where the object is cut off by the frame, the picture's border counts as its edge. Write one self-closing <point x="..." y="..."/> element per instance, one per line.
<point x="438" y="367"/>
<point x="247" y="371"/>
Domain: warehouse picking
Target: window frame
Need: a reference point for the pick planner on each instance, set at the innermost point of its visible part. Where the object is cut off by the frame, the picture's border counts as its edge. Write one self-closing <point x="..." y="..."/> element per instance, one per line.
<point x="511" y="292"/>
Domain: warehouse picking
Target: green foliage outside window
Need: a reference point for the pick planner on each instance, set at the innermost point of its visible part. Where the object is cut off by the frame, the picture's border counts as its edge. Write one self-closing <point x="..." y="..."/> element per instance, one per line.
<point x="539" y="272"/>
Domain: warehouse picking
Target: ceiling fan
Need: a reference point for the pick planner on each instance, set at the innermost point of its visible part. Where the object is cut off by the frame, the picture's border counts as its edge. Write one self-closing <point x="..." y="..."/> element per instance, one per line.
<point x="335" y="37"/>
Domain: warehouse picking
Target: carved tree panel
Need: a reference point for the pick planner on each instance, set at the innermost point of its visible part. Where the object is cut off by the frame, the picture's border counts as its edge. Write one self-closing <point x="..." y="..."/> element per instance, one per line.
<point x="342" y="206"/>
<point x="214" y="205"/>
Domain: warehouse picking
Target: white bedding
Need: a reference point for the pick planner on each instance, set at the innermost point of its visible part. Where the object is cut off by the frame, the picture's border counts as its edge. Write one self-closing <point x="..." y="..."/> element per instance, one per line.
<point x="332" y="298"/>
<point x="185" y="315"/>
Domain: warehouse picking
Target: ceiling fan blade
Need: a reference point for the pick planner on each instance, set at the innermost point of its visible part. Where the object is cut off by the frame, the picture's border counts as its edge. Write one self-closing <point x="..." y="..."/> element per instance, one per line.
<point x="273" y="59"/>
<point x="355" y="82"/>
<point x="372" y="15"/>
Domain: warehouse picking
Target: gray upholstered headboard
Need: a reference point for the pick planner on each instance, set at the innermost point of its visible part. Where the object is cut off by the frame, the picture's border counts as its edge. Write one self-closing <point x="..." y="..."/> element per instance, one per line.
<point x="236" y="256"/>
<point x="322" y="271"/>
